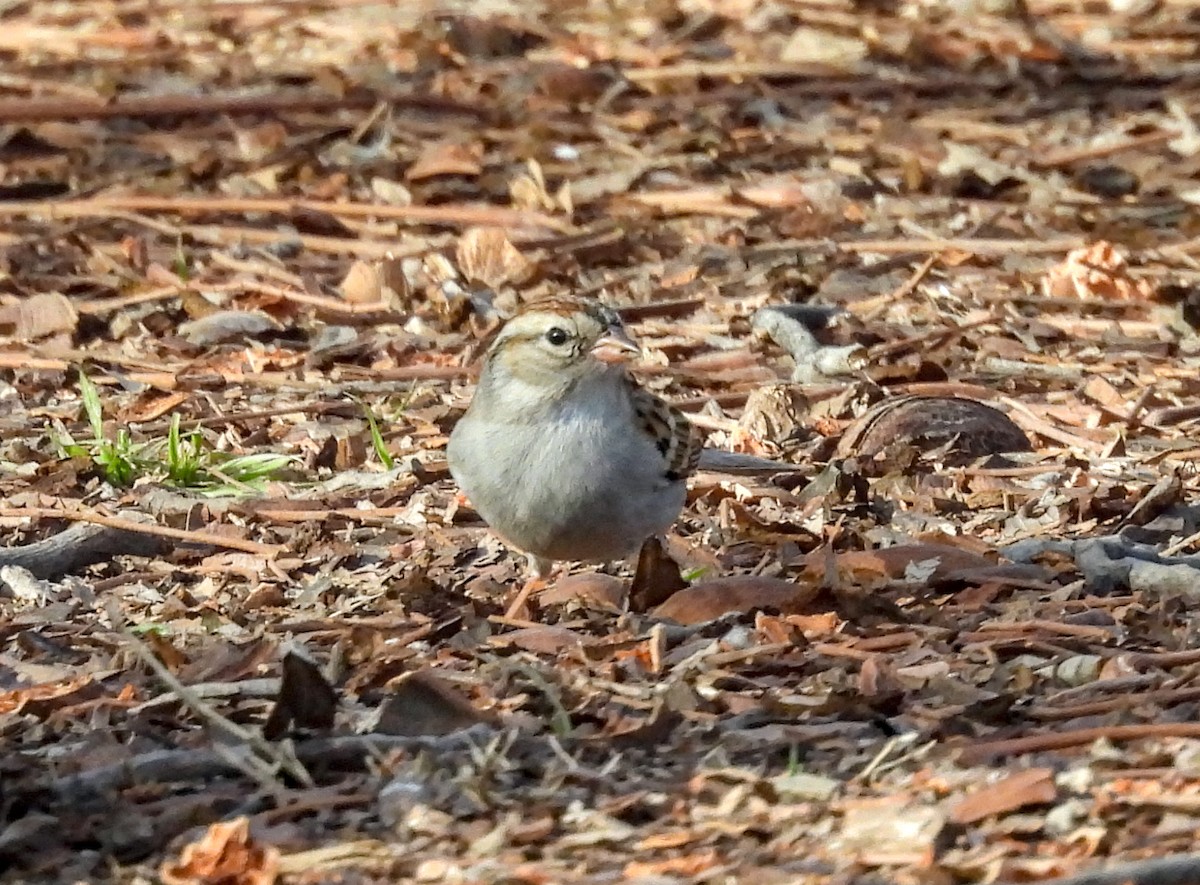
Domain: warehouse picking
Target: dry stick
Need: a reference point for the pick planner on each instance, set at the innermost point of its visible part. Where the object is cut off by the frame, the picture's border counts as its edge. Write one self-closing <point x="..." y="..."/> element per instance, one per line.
<point x="224" y="236"/>
<point x="496" y="216"/>
<point x="40" y="110"/>
<point x="321" y="302"/>
<point x="1162" y="698"/>
<point x="1181" y="544"/>
<point x="1061" y="740"/>
<point x="1070" y="156"/>
<point x="281" y="756"/>
<point x="100" y="306"/>
<point x="732" y="69"/>
<point x="336" y="407"/>
<point x="923" y="246"/>
<point x="1022" y="415"/>
<point x="162" y="766"/>
<point x="1175" y="869"/>
<point x="227" y="235"/>
<point x="926" y="338"/>
<point x="114" y="522"/>
<point x="23" y="362"/>
<point x="869" y="308"/>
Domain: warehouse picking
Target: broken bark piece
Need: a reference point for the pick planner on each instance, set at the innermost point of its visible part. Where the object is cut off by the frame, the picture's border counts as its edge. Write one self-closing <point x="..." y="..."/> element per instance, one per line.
<point x="792" y="327"/>
<point x="958" y="430"/>
<point x="78" y="546"/>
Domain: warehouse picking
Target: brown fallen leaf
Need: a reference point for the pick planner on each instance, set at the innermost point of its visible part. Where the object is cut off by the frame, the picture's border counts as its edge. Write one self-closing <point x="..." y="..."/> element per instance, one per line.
<point x="605" y="592"/>
<point x="895" y="563"/>
<point x="657" y="577"/>
<point x="486" y="255"/>
<point x="542" y="639"/>
<point x="708" y="600"/>
<point x="305" y="698"/>
<point x="224" y="855"/>
<point x="423" y="704"/>
<point x="885" y="826"/>
<point x="959" y="429"/>
<point x="1034" y="786"/>
<point x="687" y="865"/>
<point x="1095" y="271"/>
<point x="47" y="313"/>
<point x="41" y="700"/>
<point x="446" y="158"/>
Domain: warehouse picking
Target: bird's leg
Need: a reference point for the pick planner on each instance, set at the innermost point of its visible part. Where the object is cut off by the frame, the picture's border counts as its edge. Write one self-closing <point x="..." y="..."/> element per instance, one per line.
<point x="535" y="583"/>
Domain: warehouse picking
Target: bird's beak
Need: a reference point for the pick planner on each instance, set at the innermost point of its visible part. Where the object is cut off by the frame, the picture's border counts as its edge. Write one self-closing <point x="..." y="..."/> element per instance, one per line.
<point x="615" y="346"/>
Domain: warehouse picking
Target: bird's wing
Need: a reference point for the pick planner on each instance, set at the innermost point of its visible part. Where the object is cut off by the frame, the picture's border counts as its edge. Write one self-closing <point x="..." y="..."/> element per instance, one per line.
<point x="677" y="439"/>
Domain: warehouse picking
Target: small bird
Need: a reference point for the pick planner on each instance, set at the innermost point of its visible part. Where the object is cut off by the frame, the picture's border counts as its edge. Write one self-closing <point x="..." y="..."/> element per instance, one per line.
<point x="560" y="451"/>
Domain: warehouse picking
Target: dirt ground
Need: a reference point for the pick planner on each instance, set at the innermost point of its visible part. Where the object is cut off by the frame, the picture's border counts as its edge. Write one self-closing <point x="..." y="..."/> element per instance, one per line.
<point x="939" y="259"/>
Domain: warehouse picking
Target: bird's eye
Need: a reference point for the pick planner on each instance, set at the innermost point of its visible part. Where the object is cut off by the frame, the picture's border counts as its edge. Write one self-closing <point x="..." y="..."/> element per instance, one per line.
<point x="556" y="336"/>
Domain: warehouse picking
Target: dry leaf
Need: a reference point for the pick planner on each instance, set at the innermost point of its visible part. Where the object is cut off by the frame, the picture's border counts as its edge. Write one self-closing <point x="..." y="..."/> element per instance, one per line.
<point x="446" y="158"/>
<point x="593" y="588"/>
<point x="305" y="697"/>
<point x="393" y="193"/>
<point x="485" y="255"/>
<point x="546" y="639"/>
<point x="889" y="826"/>
<point x="956" y="429"/>
<point x="1034" y="786"/>
<point x="667" y="870"/>
<point x="708" y="600"/>
<point x="421" y="703"/>
<point x="656" y="578"/>
<point x="362" y="284"/>
<point x="375" y="282"/>
<point x="224" y="855"/>
<point x="821" y="46"/>
<point x="224" y="326"/>
<point x="48" y="313"/>
<point x="1095" y="271"/>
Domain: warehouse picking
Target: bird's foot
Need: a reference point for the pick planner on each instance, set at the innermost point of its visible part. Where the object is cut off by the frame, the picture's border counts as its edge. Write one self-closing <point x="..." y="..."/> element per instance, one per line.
<point x="519" y="608"/>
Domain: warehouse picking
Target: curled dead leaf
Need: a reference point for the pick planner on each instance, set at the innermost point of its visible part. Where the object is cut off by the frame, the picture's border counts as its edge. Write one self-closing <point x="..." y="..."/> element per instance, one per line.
<point x="305" y="697"/>
<point x="771" y="417"/>
<point x="375" y="282"/>
<point x="547" y="639"/>
<point x="224" y="855"/>
<point x="956" y="430"/>
<point x="1095" y="271"/>
<point x="485" y="255"/>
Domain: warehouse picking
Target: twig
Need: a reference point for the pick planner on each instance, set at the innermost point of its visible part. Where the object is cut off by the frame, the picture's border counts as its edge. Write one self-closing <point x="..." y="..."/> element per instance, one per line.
<point x="263" y="751"/>
<point x="1179" y="869"/>
<point x="127" y="525"/>
<point x="38" y="110"/>
<point x="497" y="216"/>
<point x="163" y="766"/>
<point x="79" y="546"/>
<point x="1062" y="740"/>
